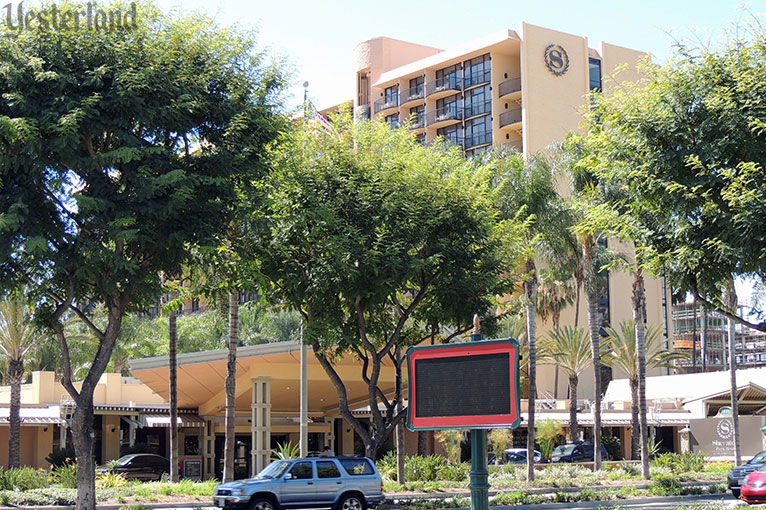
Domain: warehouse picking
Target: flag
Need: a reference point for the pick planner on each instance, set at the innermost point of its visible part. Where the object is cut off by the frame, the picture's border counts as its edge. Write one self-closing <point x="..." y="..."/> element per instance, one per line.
<point x="318" y="121"/>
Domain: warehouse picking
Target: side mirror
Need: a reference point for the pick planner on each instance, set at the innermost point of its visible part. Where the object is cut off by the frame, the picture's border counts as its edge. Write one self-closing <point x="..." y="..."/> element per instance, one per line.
<point x="288" y="476"/>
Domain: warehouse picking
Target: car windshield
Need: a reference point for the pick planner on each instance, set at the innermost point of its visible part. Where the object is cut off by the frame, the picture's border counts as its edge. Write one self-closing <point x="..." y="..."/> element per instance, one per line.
<point x="275" y="469"/>
<point x="563" y="449"/>
<point x="122" y="461"/>
<point x="758" y="459"/>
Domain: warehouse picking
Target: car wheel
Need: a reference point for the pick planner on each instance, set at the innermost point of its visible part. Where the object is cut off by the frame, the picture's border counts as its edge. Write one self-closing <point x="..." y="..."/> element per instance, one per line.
<point x="735" y="493"/>
<point x="262" y="504"/>
<point x="352" y="502"/>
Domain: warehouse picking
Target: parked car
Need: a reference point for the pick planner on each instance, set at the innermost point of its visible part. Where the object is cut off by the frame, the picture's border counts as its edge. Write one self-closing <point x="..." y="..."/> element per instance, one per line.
<point x="576" y="452"/>
<point x="753" y="488"/>
<point x="516" y="456"/>
<point x="138" y="466"/>
<point x="737" y="475"/>
<point x="344" y="483"/>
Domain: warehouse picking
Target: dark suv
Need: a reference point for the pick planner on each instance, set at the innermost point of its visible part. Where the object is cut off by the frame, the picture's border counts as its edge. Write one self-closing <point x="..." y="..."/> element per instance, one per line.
<point x="344" y="483"/>
<point x="738" y="474"/>
<point x="576" y="452"/>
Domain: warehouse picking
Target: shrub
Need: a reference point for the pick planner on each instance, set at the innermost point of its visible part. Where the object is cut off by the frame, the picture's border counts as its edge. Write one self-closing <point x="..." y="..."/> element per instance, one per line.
<point x="387" y="466"/>
<point x="109" y="480"/>
<point x="549" y="433"/>
<point x="612" y="445"/>
<point x="424" y="469"/>
<point x="450" y="441"/>
<point x="664" y="485"/>
<point x="681" y="463"/>
<point x="58" y="458"/>
<point x="454" y="472"/>
<point x="23" y="479"/>
<point x="66" y="476"/>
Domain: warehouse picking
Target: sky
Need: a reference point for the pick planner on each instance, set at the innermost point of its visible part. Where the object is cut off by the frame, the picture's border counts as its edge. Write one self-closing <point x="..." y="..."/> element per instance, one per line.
<point x="318" y="37"/>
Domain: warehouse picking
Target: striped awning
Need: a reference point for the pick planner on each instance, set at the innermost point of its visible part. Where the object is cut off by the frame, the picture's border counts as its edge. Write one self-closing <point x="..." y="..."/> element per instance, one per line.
<point x="163" y="420"/>
<point x="48" y="415"/>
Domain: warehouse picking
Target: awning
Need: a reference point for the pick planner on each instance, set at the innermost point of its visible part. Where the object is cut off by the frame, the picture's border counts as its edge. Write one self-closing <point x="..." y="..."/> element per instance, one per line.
<point x="163" y="420"/>
<point x="49" y="415"/>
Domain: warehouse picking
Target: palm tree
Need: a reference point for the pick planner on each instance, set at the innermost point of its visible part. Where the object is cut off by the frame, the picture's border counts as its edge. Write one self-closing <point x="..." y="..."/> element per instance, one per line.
<point x="526" y="189"/>
<point x="18" y="335"/>
<point x="623" y="355"/>
<point x="231" y="383"/>
<point x="730" y="301"/>
<point x="569" y="349"/>
<point x="554" y="295"/>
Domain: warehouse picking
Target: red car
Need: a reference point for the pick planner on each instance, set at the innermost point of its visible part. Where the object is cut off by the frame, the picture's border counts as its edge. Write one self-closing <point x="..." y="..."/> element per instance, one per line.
<point x="753" y="488"/>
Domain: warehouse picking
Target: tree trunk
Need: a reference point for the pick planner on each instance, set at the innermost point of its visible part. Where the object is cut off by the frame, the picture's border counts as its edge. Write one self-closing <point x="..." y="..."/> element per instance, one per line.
<point x="574" y="431"/>
<point x="422" y="443"/>
<point x="530" y="289"/>
<point x="694" y="336"/>
<point x="231" y="383"/>
<point x="703" y="339"/>
<point x="594" y="324"/>
<point x="730" y="298"/>
<point x="639" y="317"/>
<point x="173" y="376"/>
<point x="635" y="424"/>
<point x="15" y="374"/>
<point x="400" y="452"/>
<point x="83" y="441"/>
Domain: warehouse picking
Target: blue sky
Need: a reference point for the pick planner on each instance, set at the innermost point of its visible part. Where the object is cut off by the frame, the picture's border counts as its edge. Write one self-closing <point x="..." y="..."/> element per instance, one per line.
<point x="318" y="36"/>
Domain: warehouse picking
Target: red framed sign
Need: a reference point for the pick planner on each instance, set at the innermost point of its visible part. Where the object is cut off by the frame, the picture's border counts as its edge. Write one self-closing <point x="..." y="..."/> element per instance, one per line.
<point x="468" y="385"/>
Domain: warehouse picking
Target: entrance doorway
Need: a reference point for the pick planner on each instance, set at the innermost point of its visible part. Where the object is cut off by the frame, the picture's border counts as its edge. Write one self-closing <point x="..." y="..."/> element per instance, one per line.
<point x="242" y="447"/>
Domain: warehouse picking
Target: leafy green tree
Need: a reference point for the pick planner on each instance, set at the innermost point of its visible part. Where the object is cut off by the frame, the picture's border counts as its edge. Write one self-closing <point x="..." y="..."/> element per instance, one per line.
<point x="18" y="335"/>
<point x="373" y="238"/>
<point x="623" y="355"/>
<point x="549" y="433"/>
<point x="527" y="195"/>
<point x="99" y="191"/>
<point x="554" y="295"/>
<point x="569" y="349"/>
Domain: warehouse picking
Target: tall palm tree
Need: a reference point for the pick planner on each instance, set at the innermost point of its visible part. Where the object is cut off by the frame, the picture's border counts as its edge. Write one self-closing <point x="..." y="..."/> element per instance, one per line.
<point x="730" y="301"/>
<point x="231" y="385"/>
<point x="526" y="189"/>
<point x="569" y="349"/>
<point x="18" y="335"/>
<point x="623" y="355"/>
<point x="554" y="295"/>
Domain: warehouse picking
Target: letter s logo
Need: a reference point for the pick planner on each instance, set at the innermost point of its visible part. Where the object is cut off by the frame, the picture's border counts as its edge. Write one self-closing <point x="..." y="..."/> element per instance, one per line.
<point x="556" y="59"/>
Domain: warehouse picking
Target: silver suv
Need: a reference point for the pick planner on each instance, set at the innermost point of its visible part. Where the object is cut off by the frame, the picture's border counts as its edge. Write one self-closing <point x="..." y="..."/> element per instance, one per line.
<point x="343" y="483"/>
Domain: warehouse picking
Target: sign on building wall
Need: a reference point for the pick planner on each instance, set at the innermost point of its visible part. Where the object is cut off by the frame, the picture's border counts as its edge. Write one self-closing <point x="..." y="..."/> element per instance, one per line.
<point x="714" y="436"/>
<point x="556" y="59"/>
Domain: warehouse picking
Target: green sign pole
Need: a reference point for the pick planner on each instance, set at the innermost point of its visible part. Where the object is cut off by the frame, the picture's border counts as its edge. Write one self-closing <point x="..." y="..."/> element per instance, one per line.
<point x="479" y="484"/>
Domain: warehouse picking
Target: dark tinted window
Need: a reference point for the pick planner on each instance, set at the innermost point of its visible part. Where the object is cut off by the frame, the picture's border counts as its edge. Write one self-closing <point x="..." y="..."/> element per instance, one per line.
<point x="138" y="462"/>
<point x="302" y="470"/>
<point x="357" y="466"/>
<point x="327" y="469"/>
<point x="159" y="463"/>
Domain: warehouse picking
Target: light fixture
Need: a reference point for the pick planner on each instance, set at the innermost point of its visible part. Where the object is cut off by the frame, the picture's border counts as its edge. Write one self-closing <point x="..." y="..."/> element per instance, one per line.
<point x="287" y="387"/>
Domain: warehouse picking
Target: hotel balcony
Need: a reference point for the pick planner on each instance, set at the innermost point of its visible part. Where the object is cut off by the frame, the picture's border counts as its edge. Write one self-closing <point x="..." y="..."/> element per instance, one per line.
<point x="386" y="103"/>
<point x="444" y="116"/>
<point x="444" y="86"/>
<point x="476" y="78"/>
<point x="509" y="87"/>
<point x="478" y="139"/>
<point x="476" y="109"/>
<point x="510" y="117"/>
<point x="412" y="94"/>
<point x="418" y="120"/>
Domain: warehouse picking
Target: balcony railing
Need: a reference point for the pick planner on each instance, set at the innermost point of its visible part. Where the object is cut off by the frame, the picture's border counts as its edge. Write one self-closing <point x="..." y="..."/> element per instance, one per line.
<point x="455" y="137"/>
<point x="451" y="82"/>
<point x="476" y="78"/>
<point x="452" y="112"/>
<point x="472" y="110"/>
<point x="510" y="117"/>
<point x="384" y="103"/>
<point x="516" y="144"/>
<point x="478" y="139"/>
<point x="418" y="120"/>
<point x="412" y="93"/>
<point x="509" y="86"/>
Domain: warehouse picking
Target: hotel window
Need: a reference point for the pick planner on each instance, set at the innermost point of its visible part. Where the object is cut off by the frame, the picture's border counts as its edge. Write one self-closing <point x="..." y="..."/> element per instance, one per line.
<point x="449" y="108"/>
<point x="477" y="101"/>
<point x="449" y="77"/>
<point x="417" y="86"/>
<point x="477" y="71"/>
<point x="594" y="65"/>
<point x="452" y="133"/>
<point x="393" y="120"/>
<point x="418" y="116"/>
<point x="478" y="131"/>
<point x="392" y="94"/>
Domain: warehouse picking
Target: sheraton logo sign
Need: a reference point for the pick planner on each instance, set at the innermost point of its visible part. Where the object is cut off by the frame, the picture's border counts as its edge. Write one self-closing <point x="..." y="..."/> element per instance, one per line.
<point x="556" y="59"/>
